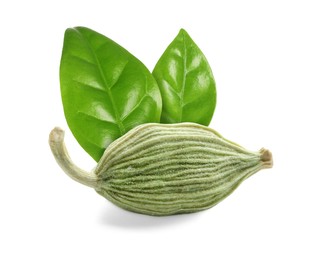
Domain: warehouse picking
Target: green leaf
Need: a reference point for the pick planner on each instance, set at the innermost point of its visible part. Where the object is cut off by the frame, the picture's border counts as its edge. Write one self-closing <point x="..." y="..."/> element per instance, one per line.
<point x="186" y="83"/>
<point x="105" y="90"/>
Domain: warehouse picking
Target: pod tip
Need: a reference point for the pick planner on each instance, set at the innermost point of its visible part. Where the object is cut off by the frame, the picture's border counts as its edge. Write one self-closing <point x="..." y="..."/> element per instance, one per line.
<point x="266" y="158"/>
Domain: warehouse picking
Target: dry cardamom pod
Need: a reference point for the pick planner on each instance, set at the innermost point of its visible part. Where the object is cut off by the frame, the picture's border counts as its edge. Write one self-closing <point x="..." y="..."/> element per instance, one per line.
<point x="165" y="169"/>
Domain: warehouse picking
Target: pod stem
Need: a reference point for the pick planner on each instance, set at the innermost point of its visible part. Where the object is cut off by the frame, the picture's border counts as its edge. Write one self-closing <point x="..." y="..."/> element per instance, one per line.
<point x="58" y="148"/>
<point x="266" y="158"/>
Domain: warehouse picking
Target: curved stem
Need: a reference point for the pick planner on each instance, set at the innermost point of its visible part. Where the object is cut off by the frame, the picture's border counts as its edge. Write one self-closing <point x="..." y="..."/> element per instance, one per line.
<point x="56" y="142"/>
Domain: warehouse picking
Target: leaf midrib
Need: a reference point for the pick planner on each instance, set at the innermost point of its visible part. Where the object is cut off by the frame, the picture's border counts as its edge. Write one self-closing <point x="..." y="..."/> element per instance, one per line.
<point x="98" y="64"/>
<point x="182" y="92"/>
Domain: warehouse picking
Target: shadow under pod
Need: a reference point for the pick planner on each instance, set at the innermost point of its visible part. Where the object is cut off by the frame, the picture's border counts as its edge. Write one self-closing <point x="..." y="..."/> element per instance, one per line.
<point x="114" y="216"/>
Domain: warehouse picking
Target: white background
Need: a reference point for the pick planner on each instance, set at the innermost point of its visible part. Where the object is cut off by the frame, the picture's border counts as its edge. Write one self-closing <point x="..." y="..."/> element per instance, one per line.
<point x="262" y="54"/>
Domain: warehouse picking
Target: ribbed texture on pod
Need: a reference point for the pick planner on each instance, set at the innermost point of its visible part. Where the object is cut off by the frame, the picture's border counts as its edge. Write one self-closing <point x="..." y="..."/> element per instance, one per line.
<point x="161" y="169"/>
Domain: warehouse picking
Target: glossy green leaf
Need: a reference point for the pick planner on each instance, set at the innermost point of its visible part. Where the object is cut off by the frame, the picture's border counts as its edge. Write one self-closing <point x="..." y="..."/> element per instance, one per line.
<point x="105" y="90"/>
<point x="186" y="83"/>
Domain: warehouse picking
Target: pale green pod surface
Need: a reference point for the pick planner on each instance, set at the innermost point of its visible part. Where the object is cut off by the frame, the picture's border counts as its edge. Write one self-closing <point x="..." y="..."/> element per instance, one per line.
<point x="159" y="169"/>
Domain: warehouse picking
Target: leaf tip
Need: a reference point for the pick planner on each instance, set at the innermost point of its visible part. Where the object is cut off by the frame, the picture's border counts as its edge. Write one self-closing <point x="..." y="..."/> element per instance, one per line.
<point x="183" y="34"/>
<point x="80" y="28"/>
<point x="182" y="30"/>
<point x="76" y="29"/>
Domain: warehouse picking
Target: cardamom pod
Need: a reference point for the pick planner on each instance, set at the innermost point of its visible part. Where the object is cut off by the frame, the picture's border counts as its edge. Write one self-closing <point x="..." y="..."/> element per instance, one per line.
<point x="165" y="169"/>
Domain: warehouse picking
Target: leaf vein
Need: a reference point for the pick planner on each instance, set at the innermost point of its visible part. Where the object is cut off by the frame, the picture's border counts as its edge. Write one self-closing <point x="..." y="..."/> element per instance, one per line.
<point x="95" y="118"/>
<point x="135" y="107"/>
<point x="89" y="86"/>
<point x="120" y="74"/>
<point x="81" y="59"/>
<point x="172" y="89"/>
<point x="141" y="100"/>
